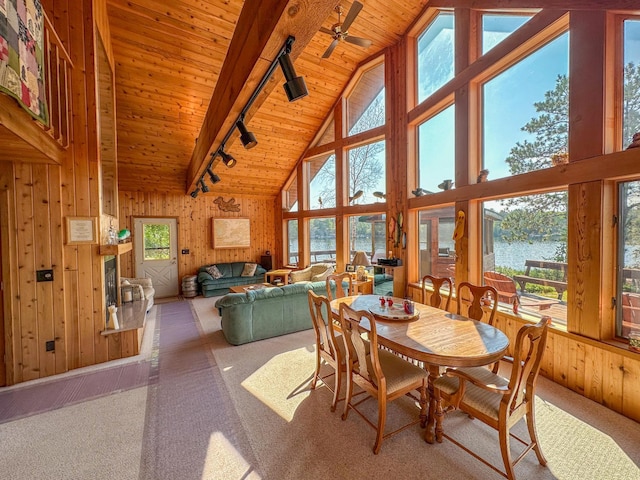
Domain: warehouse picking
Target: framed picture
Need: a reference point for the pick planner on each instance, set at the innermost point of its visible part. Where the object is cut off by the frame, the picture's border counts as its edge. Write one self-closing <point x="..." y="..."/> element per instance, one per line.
<point x="231" y="233"/>
<point x="81" y="230"/>
<point x="350" y="268"/>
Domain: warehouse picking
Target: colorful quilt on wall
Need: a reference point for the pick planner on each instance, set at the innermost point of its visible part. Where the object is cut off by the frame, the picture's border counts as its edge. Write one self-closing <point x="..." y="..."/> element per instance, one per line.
<point x="21" y="55"/>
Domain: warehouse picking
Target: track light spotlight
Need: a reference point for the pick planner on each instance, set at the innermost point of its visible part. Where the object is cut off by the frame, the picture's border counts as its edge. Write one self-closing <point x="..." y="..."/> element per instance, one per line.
<point x="295" y="87"/>
<point x="247" y="138"/>
<point x="195" y="193"/>
<point x="227" y="159"/>
<point x="214" y="178"/>
<point x="203" y="186"/>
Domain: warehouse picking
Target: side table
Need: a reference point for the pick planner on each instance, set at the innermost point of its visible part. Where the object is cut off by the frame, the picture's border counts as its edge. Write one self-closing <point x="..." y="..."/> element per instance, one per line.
<point x="282" y="273"/>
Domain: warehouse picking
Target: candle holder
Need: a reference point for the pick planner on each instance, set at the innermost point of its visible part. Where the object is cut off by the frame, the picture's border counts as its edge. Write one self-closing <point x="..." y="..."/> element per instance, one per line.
<point x="126" y="293"/>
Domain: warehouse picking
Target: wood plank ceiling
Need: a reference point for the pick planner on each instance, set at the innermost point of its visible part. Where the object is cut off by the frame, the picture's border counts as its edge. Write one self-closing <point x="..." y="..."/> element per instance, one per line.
<point x="168" y="57"/>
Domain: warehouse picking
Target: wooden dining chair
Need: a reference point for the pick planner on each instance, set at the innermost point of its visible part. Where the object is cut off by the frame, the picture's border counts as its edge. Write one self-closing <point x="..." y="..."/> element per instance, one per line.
<point x="474" y="299"/>
<point x="329" y="347"/>
<point x="338" y="279"/>
<point x="497" y="401"/>
<point x="379" y="373"/>
<point x="437" y="299"/>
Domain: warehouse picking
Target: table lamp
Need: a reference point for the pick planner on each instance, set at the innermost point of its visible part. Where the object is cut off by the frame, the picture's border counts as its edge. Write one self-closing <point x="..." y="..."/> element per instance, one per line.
<point x="361" y="260"/>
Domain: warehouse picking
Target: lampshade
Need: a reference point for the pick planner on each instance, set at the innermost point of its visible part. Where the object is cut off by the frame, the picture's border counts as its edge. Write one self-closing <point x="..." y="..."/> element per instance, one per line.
<point x="361" y="258"/>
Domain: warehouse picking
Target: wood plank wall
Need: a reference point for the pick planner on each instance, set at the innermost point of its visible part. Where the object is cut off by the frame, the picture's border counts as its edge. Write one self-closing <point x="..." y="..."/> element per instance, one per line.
<point x="195" y="218"/>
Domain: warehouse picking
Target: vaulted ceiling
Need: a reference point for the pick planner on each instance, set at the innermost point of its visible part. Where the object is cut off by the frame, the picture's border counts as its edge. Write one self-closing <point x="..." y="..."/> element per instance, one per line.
<point x="171" y="60"/>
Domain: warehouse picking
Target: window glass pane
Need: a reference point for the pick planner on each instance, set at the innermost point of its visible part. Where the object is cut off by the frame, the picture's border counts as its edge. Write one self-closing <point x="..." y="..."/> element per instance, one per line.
<point x="436" y="246"/>
<point x="365" y="105"/>
<point x="631" y="106"/>
<point x="292" y="242"/>
<point x="526" y="112"/>
<point x="496" y="27"/>
<point x="367" y="233"/>
<point x="321" y="172"/>
<point x="329" y="134"/>
<point x="629" y="259"/>
<point x="436" y="150"/>
<point x="367" y="173"/>
<point x="525" y="252"/>
<point x="157" y="242"/>
<point x="322" y="238"/>
<point x="435" y="55"/>
<point x="291" y="196"/>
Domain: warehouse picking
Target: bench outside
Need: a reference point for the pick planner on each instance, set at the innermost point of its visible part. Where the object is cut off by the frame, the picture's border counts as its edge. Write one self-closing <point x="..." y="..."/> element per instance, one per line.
<point x="506" y="288"/>
<point x="559" y="285"/>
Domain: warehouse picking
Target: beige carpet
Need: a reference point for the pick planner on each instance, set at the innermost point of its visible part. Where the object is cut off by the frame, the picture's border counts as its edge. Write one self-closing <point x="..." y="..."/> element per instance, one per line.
<point x="294" y="434"/>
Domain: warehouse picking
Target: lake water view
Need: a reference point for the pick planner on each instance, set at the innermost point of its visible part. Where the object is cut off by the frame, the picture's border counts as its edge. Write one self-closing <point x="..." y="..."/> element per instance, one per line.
<point x="507" y="255"/>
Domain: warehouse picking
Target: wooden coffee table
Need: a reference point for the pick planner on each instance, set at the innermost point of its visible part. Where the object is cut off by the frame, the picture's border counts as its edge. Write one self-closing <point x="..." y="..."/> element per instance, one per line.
<point x="244" y="288"/>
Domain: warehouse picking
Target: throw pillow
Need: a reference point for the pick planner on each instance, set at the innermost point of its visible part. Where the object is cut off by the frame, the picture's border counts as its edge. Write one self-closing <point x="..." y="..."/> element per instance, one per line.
<point x="249" y="270"/>
<point x="214" y="272"/>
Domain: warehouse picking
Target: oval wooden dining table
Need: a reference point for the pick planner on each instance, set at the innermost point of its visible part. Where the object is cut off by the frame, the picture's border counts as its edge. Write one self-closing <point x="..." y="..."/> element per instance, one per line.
<point x="433" y="336"/>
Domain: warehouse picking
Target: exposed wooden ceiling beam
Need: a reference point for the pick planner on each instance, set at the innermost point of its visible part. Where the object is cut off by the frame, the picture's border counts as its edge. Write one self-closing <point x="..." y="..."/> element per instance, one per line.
<point x="260" y="33"/>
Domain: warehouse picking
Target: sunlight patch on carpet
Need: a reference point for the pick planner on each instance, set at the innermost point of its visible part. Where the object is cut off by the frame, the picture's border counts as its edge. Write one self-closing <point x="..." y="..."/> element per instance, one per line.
<point x="575" y="449"/>
<point x="282" y="383"/>
<point x="224" y="461"/>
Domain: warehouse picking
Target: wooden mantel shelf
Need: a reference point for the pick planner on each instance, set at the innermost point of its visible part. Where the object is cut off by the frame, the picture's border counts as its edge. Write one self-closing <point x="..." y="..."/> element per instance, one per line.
<point x="118" y="249"/>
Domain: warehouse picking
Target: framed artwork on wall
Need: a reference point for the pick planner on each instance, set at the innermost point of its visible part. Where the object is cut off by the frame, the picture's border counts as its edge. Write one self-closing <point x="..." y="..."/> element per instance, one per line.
<point x="231" y="233"/>
<point x="82" y="230"/>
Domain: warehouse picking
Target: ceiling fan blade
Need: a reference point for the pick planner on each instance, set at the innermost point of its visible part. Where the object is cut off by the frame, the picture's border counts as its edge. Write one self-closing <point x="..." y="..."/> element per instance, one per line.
<point x="362" y="42"/>
<point x="351" y="16"/>
<point x="327" y="31"/>
<point x="329" y="50"/>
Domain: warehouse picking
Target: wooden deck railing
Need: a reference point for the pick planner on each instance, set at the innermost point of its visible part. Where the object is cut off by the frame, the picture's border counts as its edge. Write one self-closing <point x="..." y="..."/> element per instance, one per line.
<point x="58" y="66"/>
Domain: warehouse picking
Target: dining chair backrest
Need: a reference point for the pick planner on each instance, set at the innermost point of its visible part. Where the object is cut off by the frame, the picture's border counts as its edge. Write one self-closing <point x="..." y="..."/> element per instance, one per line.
<point x="527" y="357"/>
<point x="438" y="298"/>
<point x="339" y="279"/>
<point x="329" y="347"/>
<point x="356" y="336"/>
<point x="475" y="300"/>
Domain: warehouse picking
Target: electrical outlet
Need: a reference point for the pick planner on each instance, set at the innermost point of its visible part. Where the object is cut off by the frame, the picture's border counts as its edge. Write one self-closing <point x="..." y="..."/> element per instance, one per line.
<point x="44" y="275"/>
<point x="50" y="345"/>
<point x="185" y="251"/>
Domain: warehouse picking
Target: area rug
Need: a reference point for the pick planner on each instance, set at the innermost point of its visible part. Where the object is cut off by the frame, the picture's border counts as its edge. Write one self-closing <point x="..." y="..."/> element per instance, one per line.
<point x="295" y="435"/>
<point x="21" y="55"/>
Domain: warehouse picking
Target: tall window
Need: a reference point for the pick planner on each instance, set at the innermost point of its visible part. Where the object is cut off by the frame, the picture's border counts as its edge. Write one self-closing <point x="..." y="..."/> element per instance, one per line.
<point x="436" y="255"/>
<point x="291" y="196"/>
<point x="321" y="172"/>
<point x="322" y="239"/>
<point x="292" y="242"/>
<point x="367" y="173"/>
<point x="497" y="27"/>
<point x="436" y="151"/>
<point x="435" y="55"/>
<point x="526" y="112"/>
<point x="631" y="101"/>
<point x="525" y="243"/>
<point x="629" y="259"/>
<point x="366" y="104"/>
<point x="367" y="233"/>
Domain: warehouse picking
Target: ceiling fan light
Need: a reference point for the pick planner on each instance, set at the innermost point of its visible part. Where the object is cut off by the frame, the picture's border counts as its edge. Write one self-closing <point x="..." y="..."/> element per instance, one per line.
<point x="295" y="87"/>
<point x="247" y="138"/>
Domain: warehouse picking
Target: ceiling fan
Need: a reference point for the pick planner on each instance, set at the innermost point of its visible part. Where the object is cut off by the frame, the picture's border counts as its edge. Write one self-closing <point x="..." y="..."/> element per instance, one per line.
<point x="340" y="30"/>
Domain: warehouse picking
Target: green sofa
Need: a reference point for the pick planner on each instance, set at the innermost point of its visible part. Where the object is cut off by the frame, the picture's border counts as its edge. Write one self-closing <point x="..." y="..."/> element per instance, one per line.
<point x="268" y="312"/>
<point x="212" y="287"/>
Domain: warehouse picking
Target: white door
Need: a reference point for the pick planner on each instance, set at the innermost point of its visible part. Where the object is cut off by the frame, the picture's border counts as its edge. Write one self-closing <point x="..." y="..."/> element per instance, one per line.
<point x="156" y="251"/>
